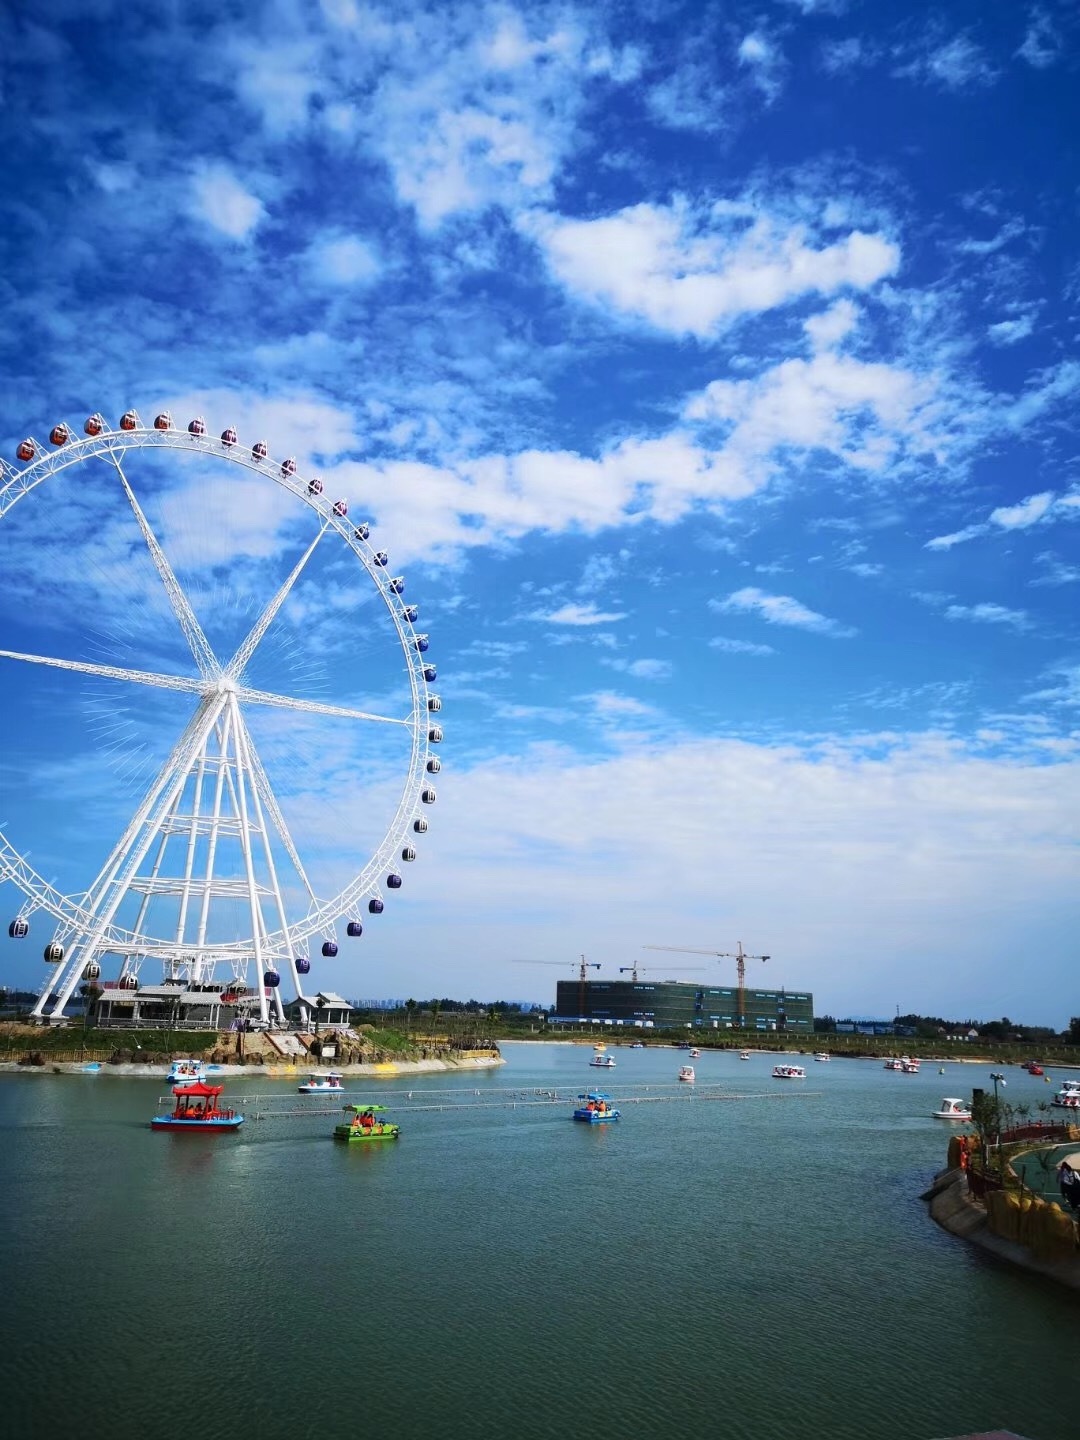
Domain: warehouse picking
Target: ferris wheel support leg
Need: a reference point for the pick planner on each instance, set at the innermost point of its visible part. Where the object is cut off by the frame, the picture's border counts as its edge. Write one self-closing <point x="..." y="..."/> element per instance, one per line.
<point x="249" y="868"/>
<point x="247" y="749"/>
<point x="38" y="1012"/>
<point x="166" y="789"/>
<point x="189" y="857"/>
<point x="223" y="728"/>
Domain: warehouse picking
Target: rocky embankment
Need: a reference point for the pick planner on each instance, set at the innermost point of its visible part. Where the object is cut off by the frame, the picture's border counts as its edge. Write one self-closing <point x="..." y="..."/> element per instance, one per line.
<point x="1015" y="1226"/>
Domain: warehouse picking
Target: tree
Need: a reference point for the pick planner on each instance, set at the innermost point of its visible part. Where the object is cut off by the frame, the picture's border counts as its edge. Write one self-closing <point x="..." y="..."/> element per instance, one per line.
<point x="436" y="1006"/>
<point x="1074" y="1030"/>
<point x="410" y="1006"/>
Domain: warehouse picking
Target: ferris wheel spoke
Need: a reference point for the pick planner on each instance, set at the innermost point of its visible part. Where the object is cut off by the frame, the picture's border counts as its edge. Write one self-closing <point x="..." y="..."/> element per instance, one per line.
<point x="259" y="629"/>
<point x="190" y="686"/>
<point x="273" y="809"/>
<point x="181" y="606"/>
<point x="312" y="707"/>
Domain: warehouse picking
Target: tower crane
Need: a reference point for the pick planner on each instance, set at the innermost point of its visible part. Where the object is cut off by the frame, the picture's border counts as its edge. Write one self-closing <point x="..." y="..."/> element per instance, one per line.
<point x="740" y="957"/>
<point x="651" y="970"/>
<point x="583" y="967"/>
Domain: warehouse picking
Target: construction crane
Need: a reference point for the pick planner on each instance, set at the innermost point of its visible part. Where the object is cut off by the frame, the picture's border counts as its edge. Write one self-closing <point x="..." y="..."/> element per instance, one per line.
<point x="583" y="967"/>
<point x="651" y="970"/>
<point x="740" y="957"/>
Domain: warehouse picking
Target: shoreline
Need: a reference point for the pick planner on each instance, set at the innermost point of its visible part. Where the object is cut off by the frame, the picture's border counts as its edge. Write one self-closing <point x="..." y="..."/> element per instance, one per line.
<point x="961" y="1215"/>
<point x="384" y="1069"/>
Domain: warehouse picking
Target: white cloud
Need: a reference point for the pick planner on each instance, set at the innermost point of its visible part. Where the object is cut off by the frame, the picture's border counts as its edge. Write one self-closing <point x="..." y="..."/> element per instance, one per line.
<point x="781" y="610"/>
<point x="760" y="54"/>
<point x="956" y="64"/>
<point x="826" y="330"/>
<point x="578" y="615"/>
<point x="739" y="647"/>
<point x="1028" y="512"/>
<point x="643" y="669"/>
<point x="1010" y="332"/>
<point x="896" y="840"/>
<point x="689" y="270"/>
<point x="862" y="413"/>
<point x="347" y="260"/>
<point x="988" y="613"/>
<point x="1042" y="44"/>
<point x="219" y="198"/>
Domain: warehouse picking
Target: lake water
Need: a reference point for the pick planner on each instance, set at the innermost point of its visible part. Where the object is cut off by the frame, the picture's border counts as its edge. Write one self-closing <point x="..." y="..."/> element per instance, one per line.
<point x="752" y="1269"/>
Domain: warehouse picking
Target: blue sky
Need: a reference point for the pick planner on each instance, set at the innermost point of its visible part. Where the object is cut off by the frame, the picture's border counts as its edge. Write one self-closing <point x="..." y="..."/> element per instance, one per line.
<point x="711" y="372"/>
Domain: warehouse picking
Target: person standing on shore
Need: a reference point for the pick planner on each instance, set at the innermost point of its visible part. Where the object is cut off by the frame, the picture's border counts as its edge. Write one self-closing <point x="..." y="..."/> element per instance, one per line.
<point x="1069" y="1185"/>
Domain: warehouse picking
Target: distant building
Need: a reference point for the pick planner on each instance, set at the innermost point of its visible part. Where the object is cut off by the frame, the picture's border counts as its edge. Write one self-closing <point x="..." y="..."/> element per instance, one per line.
<point x="675" y="1003"/>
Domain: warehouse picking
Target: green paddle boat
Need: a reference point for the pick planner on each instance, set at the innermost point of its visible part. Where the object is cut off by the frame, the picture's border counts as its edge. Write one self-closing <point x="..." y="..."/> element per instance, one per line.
<point x="362" y="1123"/>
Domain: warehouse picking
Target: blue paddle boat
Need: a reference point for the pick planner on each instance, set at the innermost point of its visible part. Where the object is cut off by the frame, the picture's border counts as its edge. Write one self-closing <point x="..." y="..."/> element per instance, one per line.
<point x="597" y="1108"/>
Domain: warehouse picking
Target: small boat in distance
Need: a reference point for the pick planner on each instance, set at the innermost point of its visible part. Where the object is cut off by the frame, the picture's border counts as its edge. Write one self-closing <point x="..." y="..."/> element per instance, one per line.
<point x="1068" y="1097"/>
<point x="327" y="1084"/>
<point x="823" y="1055"/>
<point x="788" y="1072"/>
<point x="1034" y="1068"/>
<point x="186" y="1071"/>
<point x="597" y="1108"/>
<point x="952" y="1109"/>
<point x="695" y="1053"/>
<point x="603" y="1062"/>
<point x="744" y="1055"/>
<point x="686" y="1072"/>
<point x="910" y="1067"/>
<point x="894" y="1064"/>
<point x="197" y="1108"/>
<point x="638" y="1045"/>
<point x="360" y="1124"/>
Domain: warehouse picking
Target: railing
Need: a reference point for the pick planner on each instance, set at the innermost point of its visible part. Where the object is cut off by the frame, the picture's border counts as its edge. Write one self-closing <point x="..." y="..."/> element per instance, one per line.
<point x="980" y="1183"/>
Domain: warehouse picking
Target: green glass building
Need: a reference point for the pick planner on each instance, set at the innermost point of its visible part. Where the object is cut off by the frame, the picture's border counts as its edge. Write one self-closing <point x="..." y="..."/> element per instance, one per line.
<point x="676" y="1004"/>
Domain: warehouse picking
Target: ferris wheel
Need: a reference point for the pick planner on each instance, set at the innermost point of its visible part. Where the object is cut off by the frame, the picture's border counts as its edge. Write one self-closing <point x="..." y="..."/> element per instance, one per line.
<point x="243" y="782"/>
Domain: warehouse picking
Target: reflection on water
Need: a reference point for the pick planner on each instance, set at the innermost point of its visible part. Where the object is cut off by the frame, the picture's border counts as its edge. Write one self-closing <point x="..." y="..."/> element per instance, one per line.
<point x="748" y="1269"/>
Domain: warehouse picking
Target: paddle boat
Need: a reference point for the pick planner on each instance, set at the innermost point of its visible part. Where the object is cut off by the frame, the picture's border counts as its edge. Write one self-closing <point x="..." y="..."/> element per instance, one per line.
<point x="686" y="1072"/>
<point x="695" y="1054"/>
<point x="186" y="1072"/>
<point x="597" y="1108"/>
<point x="788" y="1072"/>
<point x="1068" y="1097"/>
<point x="894" y="1064"/>
<point x="910" y="1067"/>
<point x="1034" y="1068"/>
<point x="952" y="1109"/>
<point x="823" y="1055"/>
<point x="638" y="1045"/>
<point x="361" y="1124"/>
<point x="602" y="1061"/>
<point x="744" y="1055"/>
<point x="197" y="1108"/>
<point x="326" y="1084"/>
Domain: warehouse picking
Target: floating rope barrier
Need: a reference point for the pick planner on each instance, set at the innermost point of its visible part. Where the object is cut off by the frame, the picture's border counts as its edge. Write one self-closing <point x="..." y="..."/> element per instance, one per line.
<point x="270" y="1107"/>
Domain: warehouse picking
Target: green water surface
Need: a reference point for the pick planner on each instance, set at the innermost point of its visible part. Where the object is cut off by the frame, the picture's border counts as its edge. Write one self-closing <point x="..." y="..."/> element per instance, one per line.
<point x="749" y="1269"/>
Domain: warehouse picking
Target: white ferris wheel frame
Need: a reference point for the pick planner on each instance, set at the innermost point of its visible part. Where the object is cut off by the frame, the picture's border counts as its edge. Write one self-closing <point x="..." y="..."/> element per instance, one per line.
<point x="220" y="689"/>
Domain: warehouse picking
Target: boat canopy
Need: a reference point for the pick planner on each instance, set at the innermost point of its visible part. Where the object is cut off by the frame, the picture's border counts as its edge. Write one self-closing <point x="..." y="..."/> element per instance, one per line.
<point x="198" y="1089"/>
<point x="594" y="1095"/>
<point x="363" y="1109"/>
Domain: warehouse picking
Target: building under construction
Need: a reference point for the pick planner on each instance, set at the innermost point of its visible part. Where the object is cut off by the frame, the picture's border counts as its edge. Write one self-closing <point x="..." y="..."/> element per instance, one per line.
<point x="675" y="1004"/>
